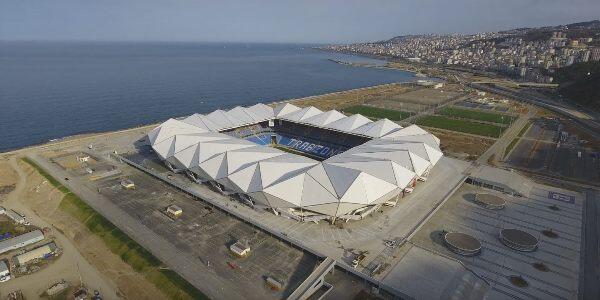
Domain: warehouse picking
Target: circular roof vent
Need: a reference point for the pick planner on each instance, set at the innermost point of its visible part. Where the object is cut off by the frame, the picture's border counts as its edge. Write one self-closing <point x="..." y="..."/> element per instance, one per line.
<point x="462" y="243"/>
<point x="490" y="201"/>
<point x="518" y="240"/>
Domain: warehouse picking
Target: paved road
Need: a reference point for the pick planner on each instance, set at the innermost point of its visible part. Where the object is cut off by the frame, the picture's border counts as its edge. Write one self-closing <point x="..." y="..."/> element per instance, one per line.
<point x="591" y="248"/>
<point x="591" y="125"/>
<point x="188" y="266"/>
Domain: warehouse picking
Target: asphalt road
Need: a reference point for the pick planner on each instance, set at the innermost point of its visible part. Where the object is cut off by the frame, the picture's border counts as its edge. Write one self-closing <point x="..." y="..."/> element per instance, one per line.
<point x="591" y="126"/>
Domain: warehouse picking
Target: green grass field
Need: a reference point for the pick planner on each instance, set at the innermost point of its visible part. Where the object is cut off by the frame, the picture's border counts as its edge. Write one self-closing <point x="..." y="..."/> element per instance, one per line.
<point x="465" y="126"/>
<point x="142" y="261"/>
<point x="377" y="113"/>
<point x="476" y="115"/>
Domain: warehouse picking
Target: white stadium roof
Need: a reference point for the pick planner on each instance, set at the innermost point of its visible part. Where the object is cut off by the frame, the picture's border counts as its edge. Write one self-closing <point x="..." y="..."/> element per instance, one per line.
<point x="284" y="109"/>
<point x="348" y="124"/>
<point x="377" y="129"/>
<point x="365" y="175"/>
<point x="325" y="118"/>
<point x="302" y="114"/>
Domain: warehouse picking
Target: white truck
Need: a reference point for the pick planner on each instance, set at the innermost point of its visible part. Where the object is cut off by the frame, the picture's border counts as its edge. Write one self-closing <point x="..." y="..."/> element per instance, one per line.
<point x="358" y="260"/>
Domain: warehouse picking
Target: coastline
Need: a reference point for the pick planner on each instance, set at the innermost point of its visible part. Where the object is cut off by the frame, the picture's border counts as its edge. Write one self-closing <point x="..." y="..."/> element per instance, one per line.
<point x="389" y="60"/>
<point x="155" y="89"/>
<point x="80" y="137"/>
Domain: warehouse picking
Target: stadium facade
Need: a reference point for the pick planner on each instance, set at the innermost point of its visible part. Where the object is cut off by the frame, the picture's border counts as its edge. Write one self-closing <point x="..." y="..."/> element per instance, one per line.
<point x="345" y="166"/>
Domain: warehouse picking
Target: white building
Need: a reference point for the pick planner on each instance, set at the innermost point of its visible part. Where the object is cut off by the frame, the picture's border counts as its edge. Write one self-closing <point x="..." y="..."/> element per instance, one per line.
<point x="21" y="241"/>
<point x="4" y="272"/>
<point x="15" y="216"/>
<point x="34" y="254"/>
<point x="348" y="185"/>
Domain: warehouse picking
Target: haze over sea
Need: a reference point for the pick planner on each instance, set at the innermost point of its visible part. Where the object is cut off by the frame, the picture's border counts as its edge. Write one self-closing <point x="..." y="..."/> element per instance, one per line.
<point x="51" y="90"/>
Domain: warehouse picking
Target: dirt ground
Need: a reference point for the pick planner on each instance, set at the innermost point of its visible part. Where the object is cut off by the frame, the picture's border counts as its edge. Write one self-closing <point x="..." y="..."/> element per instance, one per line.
<point x="83" y="253"/>
<point x="416" y="100"/>
<point x="405" y="97"/>
<point x="591" y="143"/>
<point x="461" y="145"/>
<point x="344" y="99"/>
<point x="7" y="174"/>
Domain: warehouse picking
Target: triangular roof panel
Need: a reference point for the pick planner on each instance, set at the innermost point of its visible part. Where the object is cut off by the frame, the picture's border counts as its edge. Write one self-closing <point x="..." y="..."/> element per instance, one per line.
<point x="265" y="112"/>
<point x="222" y="119"/>
<point x="284" y="108"/>
<point x="324" y="118"/>
<point x="348" y="124"/>
<point x="314" y="193"/>
<point x="377" y="129"/>
<point x="289" y="190"/>
<point x="170" y="128"/>
<point x="241" y="116"/>
<point x="302" y="114"/>
<point x="201" y="121"/>
<point x="406" y="131"/>
<point x="341" y="178"/>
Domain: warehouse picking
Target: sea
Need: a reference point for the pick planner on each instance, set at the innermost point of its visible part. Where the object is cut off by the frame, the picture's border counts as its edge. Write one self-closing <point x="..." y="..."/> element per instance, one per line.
<point x="50" y="90"/>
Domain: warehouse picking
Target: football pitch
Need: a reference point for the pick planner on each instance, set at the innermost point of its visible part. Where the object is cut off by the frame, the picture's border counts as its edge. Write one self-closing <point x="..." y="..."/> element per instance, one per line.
<point x="465" y="126"/>
<point x="476" y="115"/>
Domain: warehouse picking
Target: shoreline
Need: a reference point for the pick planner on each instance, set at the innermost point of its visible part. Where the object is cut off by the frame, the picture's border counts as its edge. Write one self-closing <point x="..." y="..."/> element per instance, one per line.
<point x="387" y="59"/>
<point x="92" y="135"/>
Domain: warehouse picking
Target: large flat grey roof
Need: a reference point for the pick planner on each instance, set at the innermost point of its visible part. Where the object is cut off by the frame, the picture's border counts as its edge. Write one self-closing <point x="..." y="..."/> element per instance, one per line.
<point x="26" y="238"/>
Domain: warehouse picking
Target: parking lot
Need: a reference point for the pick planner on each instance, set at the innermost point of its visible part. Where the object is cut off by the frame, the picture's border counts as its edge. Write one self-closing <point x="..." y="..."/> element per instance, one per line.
<point x="205" y="232"/>
<point x="547" y="147"/>
<point x="346" y="240"/>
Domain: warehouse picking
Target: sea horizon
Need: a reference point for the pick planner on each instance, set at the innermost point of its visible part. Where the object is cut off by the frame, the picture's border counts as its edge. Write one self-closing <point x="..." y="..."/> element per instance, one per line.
<point x="56" y="89"/>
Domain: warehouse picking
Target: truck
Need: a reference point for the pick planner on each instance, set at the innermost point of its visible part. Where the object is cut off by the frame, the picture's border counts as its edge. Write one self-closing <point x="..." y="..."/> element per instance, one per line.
<point x="174" y="211"/>
<point x="359" y="259"/>
<point x="240" y="249"/>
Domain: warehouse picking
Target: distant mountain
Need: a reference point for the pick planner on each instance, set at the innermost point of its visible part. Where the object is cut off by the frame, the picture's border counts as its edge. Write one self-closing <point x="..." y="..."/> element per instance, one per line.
<point x="402" y="38"/>
<point x="574" y="30"/>
<point x="588" y="24"/>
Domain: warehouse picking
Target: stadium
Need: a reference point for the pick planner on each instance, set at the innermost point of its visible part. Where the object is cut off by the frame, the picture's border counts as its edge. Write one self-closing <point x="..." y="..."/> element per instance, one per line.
<point x="303" y="163"/>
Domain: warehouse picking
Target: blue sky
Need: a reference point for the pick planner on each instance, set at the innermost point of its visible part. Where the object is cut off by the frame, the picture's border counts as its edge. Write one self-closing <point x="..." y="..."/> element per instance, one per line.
<point x="324" y="21"/>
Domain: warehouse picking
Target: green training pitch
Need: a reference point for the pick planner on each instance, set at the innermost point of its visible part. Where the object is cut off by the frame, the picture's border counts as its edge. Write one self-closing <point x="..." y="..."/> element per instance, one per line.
<point x="476" y="115"/>
<point x="465" y="126"/>
<point x="377" y="113"/>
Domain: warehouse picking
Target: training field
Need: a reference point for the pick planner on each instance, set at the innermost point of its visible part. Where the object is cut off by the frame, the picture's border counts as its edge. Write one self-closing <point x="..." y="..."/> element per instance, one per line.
<point x="465" y="126"/>
<point x="377" y="113"/>
<point x="476" y="115"/>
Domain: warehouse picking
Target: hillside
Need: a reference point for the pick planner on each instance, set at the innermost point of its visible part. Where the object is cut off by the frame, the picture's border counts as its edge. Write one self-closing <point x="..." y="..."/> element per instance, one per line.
<point x="581" y="83"/>
<point x="574" y="30"/>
